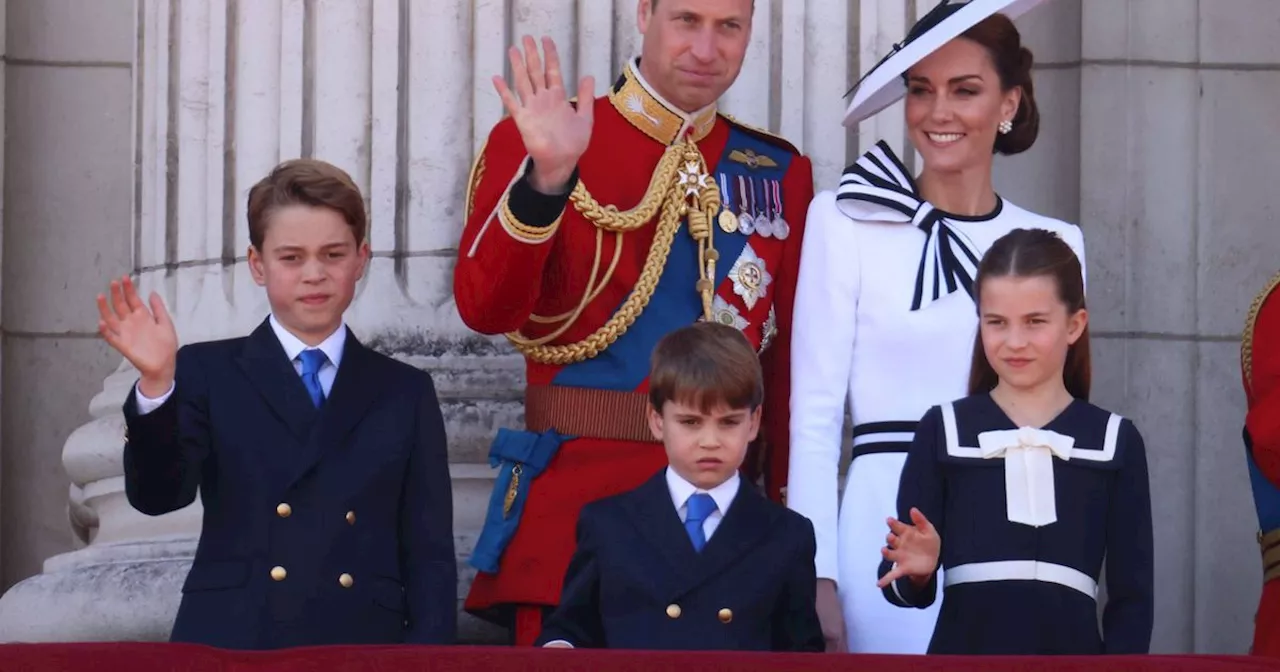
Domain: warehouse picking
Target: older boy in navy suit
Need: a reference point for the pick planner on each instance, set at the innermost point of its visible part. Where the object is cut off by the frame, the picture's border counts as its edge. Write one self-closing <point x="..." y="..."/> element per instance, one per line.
<point x="695" y="558"/>
<point x="320" y="463"/>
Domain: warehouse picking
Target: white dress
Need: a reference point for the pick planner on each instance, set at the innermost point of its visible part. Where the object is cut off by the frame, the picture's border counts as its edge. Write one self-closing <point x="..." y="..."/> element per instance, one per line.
<point x="884" y="322"/>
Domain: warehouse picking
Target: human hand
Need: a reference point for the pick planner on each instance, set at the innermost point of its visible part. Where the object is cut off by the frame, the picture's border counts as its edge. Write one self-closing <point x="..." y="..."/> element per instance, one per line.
<point x="146" y="338"/>
<point x="831" y="617"/>
<point x="914" y="549"/>
<point x="555" y="134"/>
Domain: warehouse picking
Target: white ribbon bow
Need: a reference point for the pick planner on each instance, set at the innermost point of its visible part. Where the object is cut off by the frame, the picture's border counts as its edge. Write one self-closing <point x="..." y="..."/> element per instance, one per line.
<point x="1028" y="470"/>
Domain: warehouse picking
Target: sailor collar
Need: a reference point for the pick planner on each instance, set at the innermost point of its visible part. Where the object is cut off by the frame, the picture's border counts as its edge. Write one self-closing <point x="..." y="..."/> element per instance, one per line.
<point x="640" y="105"/>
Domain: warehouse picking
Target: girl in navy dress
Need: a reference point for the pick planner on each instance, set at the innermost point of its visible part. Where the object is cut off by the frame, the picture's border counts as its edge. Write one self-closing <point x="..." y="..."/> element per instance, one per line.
<point x="1024" y="489"/>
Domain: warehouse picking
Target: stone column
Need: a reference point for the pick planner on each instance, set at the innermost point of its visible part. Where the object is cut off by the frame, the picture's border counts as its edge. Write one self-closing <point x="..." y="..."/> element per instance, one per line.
<point x="66" y="205"/>
<point x="399" y="94"/>
<point x="1178" y="158"/>
<point x="4" y="11"/>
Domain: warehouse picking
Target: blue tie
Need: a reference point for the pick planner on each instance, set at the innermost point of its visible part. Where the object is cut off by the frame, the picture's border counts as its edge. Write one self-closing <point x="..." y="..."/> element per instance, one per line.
<point x="700" y="506"/>
<point x="312" y="360"/>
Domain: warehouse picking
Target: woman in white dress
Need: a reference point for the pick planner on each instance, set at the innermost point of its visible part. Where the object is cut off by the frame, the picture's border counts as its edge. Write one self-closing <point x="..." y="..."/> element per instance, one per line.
<point x="884" y="321"/>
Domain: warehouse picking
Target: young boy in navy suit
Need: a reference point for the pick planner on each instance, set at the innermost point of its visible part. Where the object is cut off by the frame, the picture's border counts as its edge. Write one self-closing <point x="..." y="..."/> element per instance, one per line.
<point x="320" y="463"/>
<point x="695" y="558"/>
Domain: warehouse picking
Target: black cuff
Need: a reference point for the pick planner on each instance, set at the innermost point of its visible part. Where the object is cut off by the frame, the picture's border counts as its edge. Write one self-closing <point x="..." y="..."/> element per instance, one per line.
<point x="159" y="427"/>
<point x="918" y="597"/>
<point x="534" y="208"/>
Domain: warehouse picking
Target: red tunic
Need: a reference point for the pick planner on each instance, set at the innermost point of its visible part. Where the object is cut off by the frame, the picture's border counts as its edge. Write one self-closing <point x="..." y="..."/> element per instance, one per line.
<point x="1260" y="364"/>
<point x="509" y="270"/>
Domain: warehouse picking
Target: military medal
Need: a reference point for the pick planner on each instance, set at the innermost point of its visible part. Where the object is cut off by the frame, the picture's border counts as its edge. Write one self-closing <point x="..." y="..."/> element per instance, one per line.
<point x="727" y="314"/>
<point x="769" y="330"/>
<point x="746" y="222"/>
<point x="693" y="180"/>
<point x="727" y="220"/>
<point x="764" y="219"/>
<point x="750" y="277"/>
<point x="781" y="228"/>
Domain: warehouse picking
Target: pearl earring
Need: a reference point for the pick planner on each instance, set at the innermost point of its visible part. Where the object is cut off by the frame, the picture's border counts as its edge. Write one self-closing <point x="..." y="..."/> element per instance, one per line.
<point x="1006" y="126"/>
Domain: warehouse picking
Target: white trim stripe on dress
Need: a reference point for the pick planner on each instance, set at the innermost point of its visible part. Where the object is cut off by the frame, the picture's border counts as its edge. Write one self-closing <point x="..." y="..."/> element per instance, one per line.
<point x="1024" y="570"/>
<point x="954" y="449"/>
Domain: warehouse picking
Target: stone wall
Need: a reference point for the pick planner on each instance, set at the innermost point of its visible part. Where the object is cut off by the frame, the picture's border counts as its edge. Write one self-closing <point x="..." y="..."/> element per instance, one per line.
<point x="136" y="128"/>
<point x="68" y="93"/>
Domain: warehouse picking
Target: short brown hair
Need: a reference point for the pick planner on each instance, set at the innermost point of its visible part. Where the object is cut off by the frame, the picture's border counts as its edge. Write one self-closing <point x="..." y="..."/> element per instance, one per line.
<point x="705" y="365"/>
<point x="306" y="182"/>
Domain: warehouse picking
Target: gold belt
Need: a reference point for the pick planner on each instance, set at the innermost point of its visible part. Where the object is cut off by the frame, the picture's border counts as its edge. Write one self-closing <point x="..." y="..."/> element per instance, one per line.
<point x="1270" y="544"/>
<point x="588" y="413"/>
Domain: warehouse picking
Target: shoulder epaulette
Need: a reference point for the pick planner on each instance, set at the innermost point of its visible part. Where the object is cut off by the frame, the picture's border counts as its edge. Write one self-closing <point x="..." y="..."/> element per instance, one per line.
<point x="768" y="136"/>
<point x="1251" y="321"/>
<point x="473" y="180"/>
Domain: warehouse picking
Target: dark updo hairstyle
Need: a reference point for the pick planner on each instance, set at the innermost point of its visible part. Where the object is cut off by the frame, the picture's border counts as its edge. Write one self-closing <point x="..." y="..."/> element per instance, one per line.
<point x="1003" y="43"/>
<point x="1028" y="253"/>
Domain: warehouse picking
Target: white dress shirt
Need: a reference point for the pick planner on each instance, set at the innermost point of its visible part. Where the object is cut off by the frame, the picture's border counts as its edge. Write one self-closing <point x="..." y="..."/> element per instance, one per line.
<point x="332" y="347"/>
<point x="723" y="494"/>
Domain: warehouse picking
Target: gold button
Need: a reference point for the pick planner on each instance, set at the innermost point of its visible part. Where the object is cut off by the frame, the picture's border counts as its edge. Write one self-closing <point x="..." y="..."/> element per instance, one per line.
<point x="725" y="615"/>
<point x="278" y="573"/>
<point x="673" y="610"/>
<point x="283" y="510"/>
<point x="346" y="580"/>
<point x="351" y="517"/>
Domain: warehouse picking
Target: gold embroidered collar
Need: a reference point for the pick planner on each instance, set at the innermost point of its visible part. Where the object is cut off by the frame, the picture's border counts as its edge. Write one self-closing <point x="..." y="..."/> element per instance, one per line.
<point x="646" y="110"/>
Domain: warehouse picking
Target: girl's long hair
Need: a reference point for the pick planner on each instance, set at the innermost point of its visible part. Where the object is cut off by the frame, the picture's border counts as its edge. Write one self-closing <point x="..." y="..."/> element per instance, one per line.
<point x="1026" y="253"/>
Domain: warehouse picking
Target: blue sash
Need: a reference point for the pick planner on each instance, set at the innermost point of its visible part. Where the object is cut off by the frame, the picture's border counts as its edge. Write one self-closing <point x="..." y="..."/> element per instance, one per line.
<point x="675" y="302"/>
<point x="1266" y="496"/>
<point x="624" y="365"/>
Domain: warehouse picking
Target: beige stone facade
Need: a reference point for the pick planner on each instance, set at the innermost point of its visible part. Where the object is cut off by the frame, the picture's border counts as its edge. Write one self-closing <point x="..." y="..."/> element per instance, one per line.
<point x="133" y="129"/>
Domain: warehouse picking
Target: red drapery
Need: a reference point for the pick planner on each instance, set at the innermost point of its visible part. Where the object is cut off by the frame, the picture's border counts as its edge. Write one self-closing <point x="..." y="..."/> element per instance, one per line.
<point x="146" y="657"/>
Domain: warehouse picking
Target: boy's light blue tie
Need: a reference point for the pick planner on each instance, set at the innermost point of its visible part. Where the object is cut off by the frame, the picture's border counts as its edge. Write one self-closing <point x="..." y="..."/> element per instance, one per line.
<point x="312" y="360"/>
<point x="699" y="506"/>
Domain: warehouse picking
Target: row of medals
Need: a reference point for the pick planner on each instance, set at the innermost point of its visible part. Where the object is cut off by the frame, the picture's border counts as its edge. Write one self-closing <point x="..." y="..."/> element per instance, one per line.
<point x="768" y="224"/>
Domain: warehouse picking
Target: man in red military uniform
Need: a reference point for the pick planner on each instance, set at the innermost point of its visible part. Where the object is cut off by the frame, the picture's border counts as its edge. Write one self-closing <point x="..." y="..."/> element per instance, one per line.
<point x="1260" y="366"/>
<point x="592" y="230"/>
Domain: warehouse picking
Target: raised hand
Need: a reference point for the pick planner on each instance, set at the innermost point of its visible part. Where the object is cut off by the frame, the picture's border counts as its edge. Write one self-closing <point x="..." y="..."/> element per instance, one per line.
<point x="555" y="134"/>
<point x="913" y="549"/>
<point x="145" y="337"/>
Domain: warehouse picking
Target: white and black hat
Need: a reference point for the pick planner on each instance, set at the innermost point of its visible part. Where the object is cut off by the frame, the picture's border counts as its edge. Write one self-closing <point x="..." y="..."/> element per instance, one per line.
<point x="884" y="84"/>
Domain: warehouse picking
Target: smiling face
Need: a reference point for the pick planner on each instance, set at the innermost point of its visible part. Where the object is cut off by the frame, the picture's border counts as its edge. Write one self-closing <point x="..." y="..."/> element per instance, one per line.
<point x="309" y="264"/>
<point x="1026" y="329"/>
<point x="954" y="105"/>
<point x="693" y="49"/>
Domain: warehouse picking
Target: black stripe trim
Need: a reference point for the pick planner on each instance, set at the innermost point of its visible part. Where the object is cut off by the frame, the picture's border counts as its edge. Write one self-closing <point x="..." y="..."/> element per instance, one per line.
<point x="944" y="248"/>
<point x="887" y="426"/>
<point x="881" y="448"/>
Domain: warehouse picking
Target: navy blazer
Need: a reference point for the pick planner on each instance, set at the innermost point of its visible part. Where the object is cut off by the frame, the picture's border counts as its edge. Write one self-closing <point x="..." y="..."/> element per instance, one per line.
<point x="636" y="582"/>
<point x="1103" y="520"/>
<point x="320" y="526"/>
